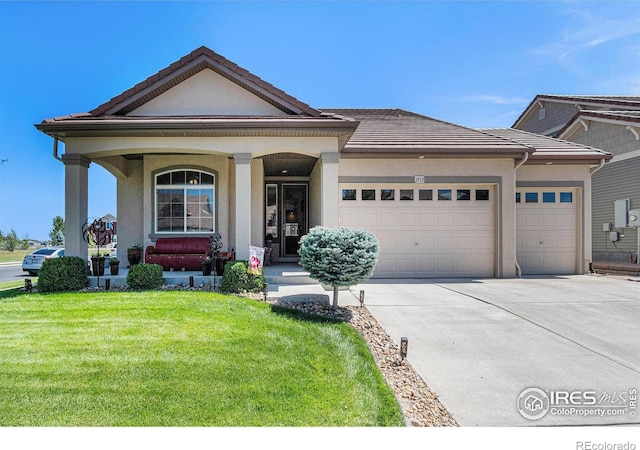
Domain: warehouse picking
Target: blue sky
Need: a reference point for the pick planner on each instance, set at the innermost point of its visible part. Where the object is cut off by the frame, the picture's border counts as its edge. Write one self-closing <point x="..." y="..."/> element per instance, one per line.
<point x="476" y="63"/>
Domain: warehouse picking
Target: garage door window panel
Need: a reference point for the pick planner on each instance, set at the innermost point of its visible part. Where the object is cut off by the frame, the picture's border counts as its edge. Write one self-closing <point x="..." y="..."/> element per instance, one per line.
<point x="463" y="194"/>
<point x="425" y="194"/>
<point x="482" y="194"/>
<point x="406" y="194"/>
<point x="368" y="194"/>
<point x="531" y="197"/>
<point x="566" y="197"/>
<point x="348" y="194"/>
<point x="387" y="194"/>
<point x="548" y="197"/>
<point x="444" y="194"/>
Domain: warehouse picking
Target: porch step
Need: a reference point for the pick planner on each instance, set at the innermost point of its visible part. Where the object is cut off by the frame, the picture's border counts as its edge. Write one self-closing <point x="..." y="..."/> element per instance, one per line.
<point x="287" y="274"/>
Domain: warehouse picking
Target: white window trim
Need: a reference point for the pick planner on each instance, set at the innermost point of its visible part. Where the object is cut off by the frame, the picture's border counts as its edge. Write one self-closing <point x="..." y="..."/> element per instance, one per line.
<point x="185" y="188"/>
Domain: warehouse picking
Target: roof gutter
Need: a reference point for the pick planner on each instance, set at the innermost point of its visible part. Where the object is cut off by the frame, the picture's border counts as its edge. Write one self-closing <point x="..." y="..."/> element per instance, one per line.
<point x="515" y="243"/>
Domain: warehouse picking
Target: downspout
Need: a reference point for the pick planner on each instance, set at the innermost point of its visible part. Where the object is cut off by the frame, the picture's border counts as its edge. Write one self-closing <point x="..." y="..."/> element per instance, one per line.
<point x="55" y="150"/>
<point x="595" y="169"/>
<point x="515" y="220"/>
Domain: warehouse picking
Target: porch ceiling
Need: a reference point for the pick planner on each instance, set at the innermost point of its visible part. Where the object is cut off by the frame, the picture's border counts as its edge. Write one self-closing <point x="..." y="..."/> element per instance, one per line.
<point x="288" y="164"/>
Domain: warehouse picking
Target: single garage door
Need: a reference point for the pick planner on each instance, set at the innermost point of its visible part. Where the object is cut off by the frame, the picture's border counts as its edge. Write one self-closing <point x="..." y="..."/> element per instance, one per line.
<point x="546" y="231"/>
<point x="425" y="230"/>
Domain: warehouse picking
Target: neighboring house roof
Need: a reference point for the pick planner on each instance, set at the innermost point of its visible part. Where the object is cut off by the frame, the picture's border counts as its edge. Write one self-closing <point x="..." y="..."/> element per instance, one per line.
<point x="588" y="101"/>
<point x="629" y="119"/>
<point x="548" y="149"/>
<point x="396" y="132"/>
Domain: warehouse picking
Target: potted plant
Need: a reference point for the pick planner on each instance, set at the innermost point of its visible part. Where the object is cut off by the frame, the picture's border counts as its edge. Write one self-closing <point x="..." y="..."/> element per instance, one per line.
<point x="114" y="265"/>
<point x="134" y="253"/>
<point x="97" y="265"/>
<point x="207" y="264"/>
<point x="269" y="239"/>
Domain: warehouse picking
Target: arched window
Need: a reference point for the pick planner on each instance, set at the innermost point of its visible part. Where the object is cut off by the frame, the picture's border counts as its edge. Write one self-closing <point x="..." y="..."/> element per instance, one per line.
<point x="185" y="202"/>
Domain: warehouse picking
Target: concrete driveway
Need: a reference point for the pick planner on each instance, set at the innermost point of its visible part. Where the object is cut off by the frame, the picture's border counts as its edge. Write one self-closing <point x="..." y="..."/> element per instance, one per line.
<point x="480" y="344"/>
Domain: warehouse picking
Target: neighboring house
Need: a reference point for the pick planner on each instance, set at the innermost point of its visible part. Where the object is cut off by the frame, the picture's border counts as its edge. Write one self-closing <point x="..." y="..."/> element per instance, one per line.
<point x="610" y="123"/>
<point x="205" y="146"/>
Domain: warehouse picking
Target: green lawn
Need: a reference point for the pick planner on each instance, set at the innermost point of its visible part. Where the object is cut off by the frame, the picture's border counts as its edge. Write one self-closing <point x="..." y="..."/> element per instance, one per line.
<point x="14" y="256"/>
<point x="181" y="359"/>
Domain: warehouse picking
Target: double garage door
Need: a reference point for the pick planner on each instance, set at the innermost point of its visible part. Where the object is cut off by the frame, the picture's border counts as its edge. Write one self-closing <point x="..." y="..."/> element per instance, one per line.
<point x="437" y="231"/>
<point x="426" y="230"/>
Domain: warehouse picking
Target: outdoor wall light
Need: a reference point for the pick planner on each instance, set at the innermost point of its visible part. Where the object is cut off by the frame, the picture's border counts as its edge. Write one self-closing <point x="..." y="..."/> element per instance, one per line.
<point x="404" y="343"/>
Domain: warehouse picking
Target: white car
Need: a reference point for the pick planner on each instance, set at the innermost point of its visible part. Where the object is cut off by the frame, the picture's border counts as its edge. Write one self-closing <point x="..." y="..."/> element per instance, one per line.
<point x="32" y="263"/>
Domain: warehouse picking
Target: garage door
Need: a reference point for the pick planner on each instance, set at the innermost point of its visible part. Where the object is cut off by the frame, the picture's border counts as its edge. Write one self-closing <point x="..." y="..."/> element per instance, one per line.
<point x="425" y="230"/>
<point x="546" y="231"/>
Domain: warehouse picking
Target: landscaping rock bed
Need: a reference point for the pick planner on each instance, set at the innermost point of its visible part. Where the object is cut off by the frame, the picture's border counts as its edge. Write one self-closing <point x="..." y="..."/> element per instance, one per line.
<point x="421" y="407"/>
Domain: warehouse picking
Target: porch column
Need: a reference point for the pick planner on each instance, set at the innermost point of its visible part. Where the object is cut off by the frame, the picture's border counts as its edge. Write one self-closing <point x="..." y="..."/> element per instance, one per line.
<point x="243" y="204"/>
<point x="76" y="183"/>
<point x="330" y="191"/>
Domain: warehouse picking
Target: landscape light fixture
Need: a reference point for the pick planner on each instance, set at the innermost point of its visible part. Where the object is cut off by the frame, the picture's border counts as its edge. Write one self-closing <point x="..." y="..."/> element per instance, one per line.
<point x="361" y="298"/>
<point x="404" y="343"/>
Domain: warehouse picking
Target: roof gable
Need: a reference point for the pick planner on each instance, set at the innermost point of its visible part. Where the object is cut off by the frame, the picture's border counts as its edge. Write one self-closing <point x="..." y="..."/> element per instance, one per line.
<point x="207" y="94"/>
<point x="201" y="59"/>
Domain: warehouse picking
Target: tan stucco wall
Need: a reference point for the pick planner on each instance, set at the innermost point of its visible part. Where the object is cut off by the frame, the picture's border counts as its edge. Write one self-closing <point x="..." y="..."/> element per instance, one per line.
<point x="257" y="146"/>
<point x="207" y="93"/>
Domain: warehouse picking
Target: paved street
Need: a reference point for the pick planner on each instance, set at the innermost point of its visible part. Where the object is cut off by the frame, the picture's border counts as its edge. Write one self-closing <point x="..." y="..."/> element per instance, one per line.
<point x="12" y="272"/>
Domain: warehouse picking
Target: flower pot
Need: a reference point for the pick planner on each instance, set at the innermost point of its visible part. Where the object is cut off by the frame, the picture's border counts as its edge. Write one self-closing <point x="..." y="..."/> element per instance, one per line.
<point x="133" y="256"/>
<point x="97" y="266"/>
<point x="206" y="269"/>
<point x="114" y="267"/>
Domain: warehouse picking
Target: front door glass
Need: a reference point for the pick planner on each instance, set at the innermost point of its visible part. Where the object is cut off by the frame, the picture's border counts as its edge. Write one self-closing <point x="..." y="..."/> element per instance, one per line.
<point x="294" y="209"/>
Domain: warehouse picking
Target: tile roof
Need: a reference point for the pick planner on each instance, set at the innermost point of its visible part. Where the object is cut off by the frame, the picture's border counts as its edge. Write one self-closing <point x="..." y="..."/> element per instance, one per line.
<point x="396" y="132"/>
<point x="619" y="101"/>
<point x="550" y="149"/>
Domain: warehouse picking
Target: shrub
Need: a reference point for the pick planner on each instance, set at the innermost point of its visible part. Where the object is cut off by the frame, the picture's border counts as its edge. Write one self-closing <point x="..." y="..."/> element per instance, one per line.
<point x="339" y="256"/>
<point x="236" y="279"/>
<point x="145" y="276"/>
<point x="67" y="273"/>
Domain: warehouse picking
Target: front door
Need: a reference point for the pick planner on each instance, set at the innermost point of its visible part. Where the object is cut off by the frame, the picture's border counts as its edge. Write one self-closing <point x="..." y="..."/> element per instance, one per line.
<point x="294" y="218"/>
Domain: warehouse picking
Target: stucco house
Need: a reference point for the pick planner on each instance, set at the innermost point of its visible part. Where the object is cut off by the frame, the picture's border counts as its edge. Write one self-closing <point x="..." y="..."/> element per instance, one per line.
<point x="611" y="123"/>
<point x="205" y="146"/>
